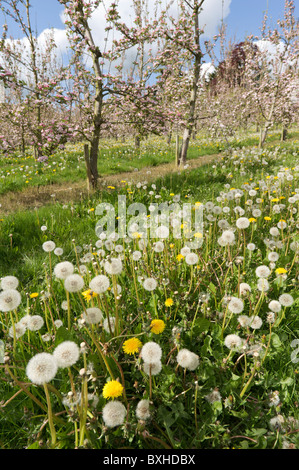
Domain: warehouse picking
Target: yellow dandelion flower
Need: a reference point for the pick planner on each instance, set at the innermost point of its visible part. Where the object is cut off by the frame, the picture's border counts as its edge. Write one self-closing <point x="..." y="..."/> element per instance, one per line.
<point x="179" y="257"/>
<point x="252" y="219"/>
<point x="136" y="235"/>
<point x="280" y="271"/>
<point x="112" y="389"/>
<point x="33" y="295"/>
<point x="171" y="245"/>
<point x="88" y="294"/>
<point x="132" y="346"/>
<point x="267" y="218"/>
<point x="157" y="326"/>
<point x="168" y="302"/>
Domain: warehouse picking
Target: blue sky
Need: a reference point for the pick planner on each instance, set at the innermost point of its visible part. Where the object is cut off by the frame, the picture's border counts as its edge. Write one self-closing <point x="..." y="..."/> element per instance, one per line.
<point x="242" y="17"/>
<point x="245" y="15"/>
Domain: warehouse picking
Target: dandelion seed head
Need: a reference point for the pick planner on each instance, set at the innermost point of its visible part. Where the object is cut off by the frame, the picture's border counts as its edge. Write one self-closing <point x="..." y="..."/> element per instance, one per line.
<point x="93" y="315"/>
<point x="63" y="270"/>
<point x="233" y="341"/>
<point x="114" y="414"/>
<point x="153" y="368"/>
<point x="286" y="300"/>
<point x="9" y="282"/>
<point x="142" y="409"/>
<point x="274" y="306"/>
<point x="236" y="305"/>
<point x="41" y="368"/>
<point x="187" y="359"/>
<point x="99" y="284"/>
<point x="49" y="246"/>
<point x="66" y="354"/>
<point x="150" y="284"/>
<point x="10" y="299"/>
<point x="73" y="283"/>
<point x="35" y="323"/>
<point x="151" y="352"/>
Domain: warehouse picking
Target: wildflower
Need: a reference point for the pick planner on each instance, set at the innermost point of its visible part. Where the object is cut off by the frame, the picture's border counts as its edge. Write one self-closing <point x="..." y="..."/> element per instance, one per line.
<point x="66" y="354"/>
<point x="244" y="320"/>
<point x="274" y="232"/>
<point x="263" y="284"/>
<point x="58" y="251"/>
<point x="179" y="257"/>
<point x="275" y="306"/>
<point x="286" y="300"/>
<point x="157" y="326"/>
<point x="187" y="359"/>
<point x="270" y="317"/>
<point x="191" y="258"/>
<point x="153" y="368"/>
<point x="99" y="284"/>
<point x="169" y="302"/>
<point x="114" y="266"/>
<point x="9" y="282"/>
<point x="158" y="247"/>
<point x="150" y="284"/>
<point x="162" y="232"/>
<point x="236" y="305"/>
<point x="89" y="294"/>
<point x="132" y="346"/>
<point x="35" y="323"/>
<point x="228" y="237"/>
<point x="49" y="246"/>
<point x="58" y="323"/>
<point x="63" y="270"/>
<point x="114" y="414"/>
<point x="252" y="219"/>
<point x="17" y="331"/>
<point x="256" y="322"/>
<point x="151" y="352"/>
<point x="136" y="255"/>
<point x="276" y="422"/>
<point x="244" y="288"/>
<point x="73" y="283"/>
<point x="112" y="389"/>
<point x="142" y="409"/>
<point x="262" y="271"/>
<point x="267" y="218"/>
<point x="280" y="271"/>
<point x="273" y="256"/>
<point x="41" y="368"/>
<point x="185" y="251"/>
<point x="251" y="246"/>
<point x="93" y="315"/>
<point x="213" y="396"/>
<point x="33" y="295"/>
<point x="233" y="341"/>
<point x="242" y="222"/>
<point x="10" y="299"/>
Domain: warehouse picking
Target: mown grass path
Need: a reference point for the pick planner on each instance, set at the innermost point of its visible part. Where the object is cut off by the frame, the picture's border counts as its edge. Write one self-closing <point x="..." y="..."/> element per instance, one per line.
<point x="34" y="197"/>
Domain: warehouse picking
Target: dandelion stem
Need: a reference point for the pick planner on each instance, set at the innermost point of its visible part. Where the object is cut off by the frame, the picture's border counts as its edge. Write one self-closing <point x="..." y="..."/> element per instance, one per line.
<point x="50" y="416"/>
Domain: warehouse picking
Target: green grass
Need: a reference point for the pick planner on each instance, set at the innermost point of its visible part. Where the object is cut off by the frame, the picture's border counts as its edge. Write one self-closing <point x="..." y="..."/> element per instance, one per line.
<point x="18" y="172"/>
<point x="237" y="422"/>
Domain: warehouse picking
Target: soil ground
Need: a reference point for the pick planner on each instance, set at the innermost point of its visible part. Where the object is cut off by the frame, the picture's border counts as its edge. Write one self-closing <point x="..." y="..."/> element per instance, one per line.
<point x="38" y="196"/>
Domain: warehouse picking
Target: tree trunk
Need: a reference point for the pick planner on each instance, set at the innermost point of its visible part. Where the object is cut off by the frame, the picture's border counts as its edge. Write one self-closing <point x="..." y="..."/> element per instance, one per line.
<point x="193" y="97"/>
<point x="284" y="134"/>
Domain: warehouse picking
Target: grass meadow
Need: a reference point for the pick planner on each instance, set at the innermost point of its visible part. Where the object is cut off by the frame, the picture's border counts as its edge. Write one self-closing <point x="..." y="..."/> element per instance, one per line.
<point x="153" y="342"/>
